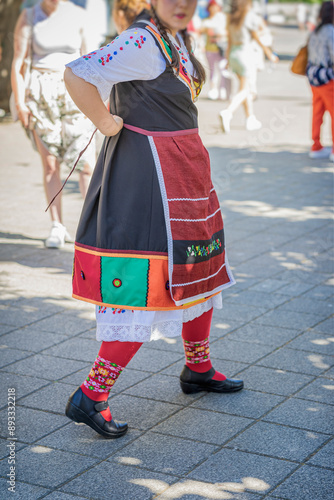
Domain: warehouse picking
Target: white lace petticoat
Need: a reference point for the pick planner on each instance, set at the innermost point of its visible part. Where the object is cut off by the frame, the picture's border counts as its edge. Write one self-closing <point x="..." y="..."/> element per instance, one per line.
<point x="143" y="326"/>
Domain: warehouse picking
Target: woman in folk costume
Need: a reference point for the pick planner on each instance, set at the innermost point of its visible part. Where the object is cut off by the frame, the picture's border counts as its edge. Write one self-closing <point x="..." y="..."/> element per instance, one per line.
<point x="150" y="242"/>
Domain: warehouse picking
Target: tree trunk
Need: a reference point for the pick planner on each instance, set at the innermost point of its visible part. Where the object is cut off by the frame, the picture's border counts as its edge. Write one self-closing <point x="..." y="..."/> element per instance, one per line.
<point x="9" y="12"/>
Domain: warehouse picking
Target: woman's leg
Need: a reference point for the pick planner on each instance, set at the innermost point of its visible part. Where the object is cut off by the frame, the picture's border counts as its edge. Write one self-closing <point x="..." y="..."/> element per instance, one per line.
<point x="51" y="179"/>
<point x="318" y="110"/>
<point x="198" y="373"/>
<point x="212" y="60"/>
<point x="88" y="404"/>
<point x="242" y="97"/>
<point x="239" y="98"/>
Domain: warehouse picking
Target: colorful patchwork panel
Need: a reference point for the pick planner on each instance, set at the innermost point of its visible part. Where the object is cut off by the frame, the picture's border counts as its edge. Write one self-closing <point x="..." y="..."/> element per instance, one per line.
<point x="86" y="276"/>
<point x="124" y="281"/>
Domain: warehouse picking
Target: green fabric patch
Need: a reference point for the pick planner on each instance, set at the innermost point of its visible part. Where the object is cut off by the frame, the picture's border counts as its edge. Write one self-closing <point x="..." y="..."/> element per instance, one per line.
<point x="131" y="273"/>
<point x="167" y="47"/>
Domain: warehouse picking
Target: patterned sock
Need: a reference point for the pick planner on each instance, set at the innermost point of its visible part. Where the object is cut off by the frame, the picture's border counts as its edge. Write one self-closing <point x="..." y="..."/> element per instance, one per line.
<point x="109" y="364"/>
<point x="196" y="343"/>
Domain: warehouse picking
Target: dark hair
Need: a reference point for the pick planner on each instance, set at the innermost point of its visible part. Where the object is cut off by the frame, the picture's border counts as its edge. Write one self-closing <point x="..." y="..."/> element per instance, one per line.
<point x="326" y="14"/>
<point x="175" y="63"/>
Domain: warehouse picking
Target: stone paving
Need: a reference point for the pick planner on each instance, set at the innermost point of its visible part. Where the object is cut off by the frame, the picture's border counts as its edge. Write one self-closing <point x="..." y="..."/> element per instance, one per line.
<point x="270" y="441"/>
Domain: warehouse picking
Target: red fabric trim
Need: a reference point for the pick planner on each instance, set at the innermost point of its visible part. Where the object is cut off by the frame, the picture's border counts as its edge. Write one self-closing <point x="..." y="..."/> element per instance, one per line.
<point x="160" y="134"/>
<point x="134" y="252"/>
<point x="180" y="293"/>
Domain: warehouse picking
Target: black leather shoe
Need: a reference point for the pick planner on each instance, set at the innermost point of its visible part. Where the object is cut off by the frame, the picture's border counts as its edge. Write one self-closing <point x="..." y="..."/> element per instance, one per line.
<point x="82" y="409"/>
<point x="195" y="382"/>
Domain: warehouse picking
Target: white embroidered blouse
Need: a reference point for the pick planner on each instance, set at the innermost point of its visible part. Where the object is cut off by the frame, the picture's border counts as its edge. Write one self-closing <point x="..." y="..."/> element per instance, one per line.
<point x="133" y="55"/>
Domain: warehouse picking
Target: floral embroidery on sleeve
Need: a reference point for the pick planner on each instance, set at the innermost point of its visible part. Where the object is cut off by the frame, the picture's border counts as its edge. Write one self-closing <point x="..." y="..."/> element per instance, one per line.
<point x="132" y="40"/>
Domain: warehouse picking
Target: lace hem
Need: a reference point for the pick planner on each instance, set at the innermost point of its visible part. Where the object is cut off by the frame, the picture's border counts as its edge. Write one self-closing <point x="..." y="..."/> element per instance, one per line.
<point x="138" y="333"/>
<point x="83" y="70"/>
<point x="129" y="329"/>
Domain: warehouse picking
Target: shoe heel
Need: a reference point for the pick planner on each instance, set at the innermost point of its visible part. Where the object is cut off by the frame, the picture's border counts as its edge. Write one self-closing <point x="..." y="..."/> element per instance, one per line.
<point x="73" y="413"/>
<point x="190" y="388"/>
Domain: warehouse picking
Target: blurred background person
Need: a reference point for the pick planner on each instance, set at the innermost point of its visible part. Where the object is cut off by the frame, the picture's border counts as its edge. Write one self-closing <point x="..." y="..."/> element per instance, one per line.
<point x="266" y="39"/>
<point x="242" y="26"/>
<point x="320" y="73"/>
<point x="125" y="12"/>
<point x="301" y="15"/>
<point x="58" y="129"/>
<point x="214" y="30"/>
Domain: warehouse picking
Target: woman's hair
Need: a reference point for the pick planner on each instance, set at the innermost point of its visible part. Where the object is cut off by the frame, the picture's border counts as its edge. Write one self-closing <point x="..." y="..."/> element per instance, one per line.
<point x="239" y="9"/>
<point x="175" y="63"/>
<point x="326" y="14"/>
<point x="131" y="8"/>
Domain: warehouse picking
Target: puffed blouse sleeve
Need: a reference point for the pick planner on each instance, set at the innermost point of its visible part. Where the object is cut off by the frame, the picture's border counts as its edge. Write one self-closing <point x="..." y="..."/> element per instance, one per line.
<point x="133" y="55"/>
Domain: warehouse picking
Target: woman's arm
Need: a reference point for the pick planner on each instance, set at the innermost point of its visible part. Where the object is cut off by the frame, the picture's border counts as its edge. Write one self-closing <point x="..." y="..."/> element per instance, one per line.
<point x="22" y="35"/>
<point x="88" y="100"/>
<point x="268" y="52"/>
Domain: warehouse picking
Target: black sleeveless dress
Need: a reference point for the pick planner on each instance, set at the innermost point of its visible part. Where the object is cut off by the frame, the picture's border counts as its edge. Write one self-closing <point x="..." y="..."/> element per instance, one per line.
<point x="151" y="233"/>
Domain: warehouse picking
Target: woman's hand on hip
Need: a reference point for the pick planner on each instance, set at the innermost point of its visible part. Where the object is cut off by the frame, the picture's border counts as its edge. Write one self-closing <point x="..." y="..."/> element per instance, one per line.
<point x="111" y="126"/>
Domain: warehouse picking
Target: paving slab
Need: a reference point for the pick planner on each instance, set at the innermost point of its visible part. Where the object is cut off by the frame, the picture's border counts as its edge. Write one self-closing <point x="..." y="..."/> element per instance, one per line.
<point x="151" y="451"/>
<point x="23" y="385"/>
<point x="6" y="443"/>
<point x="83" y="350"/>
<point x="321" y="390"/>
<point x="52" y="398"/>
<point x="51" y="367"/>
<point x="140" y="413"/>
<point x="9" y="356"/>
<point x="245" y="352"/>
<point x="256" y="473"/>
<point x="308" y="415"/>
<point x="58" y="495"/>
<point x="188" y="489"/>
<point x="31" y="424"/>
<point x="288" y="319"/>
<point x="144" y="360"/>
<point x="267" y="335"/>
<point x="298" y="361"/>
<point x="320" y="292"/>
<point x="79" y="438"/>
<point x="307" y="482"/>
<point x="245" y="403"/>
<point x="67" y="323"/>
<point x="123" y="481"/>
<point x="278" y="441"/>
<point x="314" y="342"/>
<point x="162" y="388"/>
<point x="58" y="466"/>
<point x="254" y="298"/>
<point x="31" y="339"/>
<point x="326" y="326"/>
<point x="274" y="381"/>
<point x="324" y="457"/>
<point x="22" y="490"/>
<point x="205" y="426"/>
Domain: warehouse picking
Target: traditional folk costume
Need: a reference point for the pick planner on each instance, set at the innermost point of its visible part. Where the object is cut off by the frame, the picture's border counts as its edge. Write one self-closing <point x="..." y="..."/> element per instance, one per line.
<point x="150" y="249"/>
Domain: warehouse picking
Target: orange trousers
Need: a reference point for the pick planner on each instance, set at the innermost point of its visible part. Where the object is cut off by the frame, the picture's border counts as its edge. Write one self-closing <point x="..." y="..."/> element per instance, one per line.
<point x="323" y="100"/>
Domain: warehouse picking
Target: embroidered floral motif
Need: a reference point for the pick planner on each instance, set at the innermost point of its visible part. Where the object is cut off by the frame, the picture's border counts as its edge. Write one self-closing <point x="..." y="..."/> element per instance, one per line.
<point x="102" y="309"/>
<point x="197" y="352"/>
<point x="119" y="311"/>
<point x="202" y="251"/>
<point x="103" y="375"/>
<point x="137" y="41"/>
